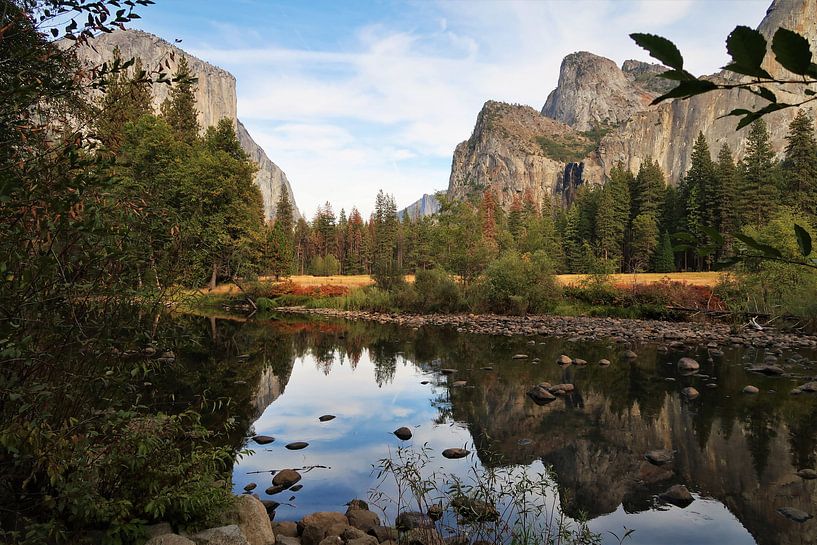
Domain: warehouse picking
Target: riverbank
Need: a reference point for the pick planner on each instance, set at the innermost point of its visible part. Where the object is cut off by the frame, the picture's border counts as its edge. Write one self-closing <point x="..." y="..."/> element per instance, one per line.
<point x="674" y="335"/>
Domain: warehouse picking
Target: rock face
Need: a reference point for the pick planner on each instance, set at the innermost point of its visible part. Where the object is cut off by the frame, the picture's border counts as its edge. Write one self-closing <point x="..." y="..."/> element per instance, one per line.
<point x="512" y="153"/>
<point x="215" y="98"/>
<point x="594" y="92"/>
<point x="511" y="150"/>
<point x="427" y="205"/>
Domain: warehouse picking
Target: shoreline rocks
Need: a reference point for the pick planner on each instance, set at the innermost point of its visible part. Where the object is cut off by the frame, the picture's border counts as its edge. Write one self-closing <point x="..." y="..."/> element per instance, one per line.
<point x="582" y="328"/>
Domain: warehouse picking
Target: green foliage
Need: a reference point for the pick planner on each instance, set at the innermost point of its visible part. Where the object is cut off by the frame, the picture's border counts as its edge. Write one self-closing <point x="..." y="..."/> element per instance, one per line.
<point x="565" y="148"/>
<point x="179" y="109"/>
<point x="800" y="163"/>
<point x="324" y="266"/>
<point x="758" y="188"/>
<point x="515" y="284"/>
<point x="644" y="241"/>
<point x="437" y="291"/>
<point x="664" y="255"/>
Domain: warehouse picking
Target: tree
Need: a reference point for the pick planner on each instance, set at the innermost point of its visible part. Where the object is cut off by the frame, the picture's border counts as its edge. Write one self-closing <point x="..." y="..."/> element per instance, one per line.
<point x="126" y="98"/>
<point x="664" y="255"/>
<point x="695" y="189"/>
<point x="758" y="191"/>
<point x="179" y="108"/>
<point x="281" y="239"/>
<point x="800" y="163"/>
<point x="724" y="196"/>
<point x="645" y="240"/>
<point x="647" y="190"/>
<point x="613" y="216"/>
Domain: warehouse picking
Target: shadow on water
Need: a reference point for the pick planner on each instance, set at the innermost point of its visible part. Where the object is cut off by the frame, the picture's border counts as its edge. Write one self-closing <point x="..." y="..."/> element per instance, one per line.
<point x="739" y="454"/>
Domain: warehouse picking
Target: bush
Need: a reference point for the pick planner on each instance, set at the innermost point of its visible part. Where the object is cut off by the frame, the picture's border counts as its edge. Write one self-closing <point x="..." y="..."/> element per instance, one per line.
<point x="436" y="291"/>
<point x="324" y="266"/>
<point x="515" y="284"/>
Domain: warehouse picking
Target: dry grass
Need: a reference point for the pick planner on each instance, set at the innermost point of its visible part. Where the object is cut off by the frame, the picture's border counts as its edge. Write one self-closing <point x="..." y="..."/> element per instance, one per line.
<point x="709" y="279"/>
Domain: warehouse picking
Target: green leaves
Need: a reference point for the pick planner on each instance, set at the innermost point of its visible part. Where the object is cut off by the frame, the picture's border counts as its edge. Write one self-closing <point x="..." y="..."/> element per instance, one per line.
<point x="688" y="88"/>
<point x="792" y="51"/>
<point x="766" y="250"/>
<point x="747" y="47"/>
<point x="660" y="48"/>
<point x="803" y="240"/>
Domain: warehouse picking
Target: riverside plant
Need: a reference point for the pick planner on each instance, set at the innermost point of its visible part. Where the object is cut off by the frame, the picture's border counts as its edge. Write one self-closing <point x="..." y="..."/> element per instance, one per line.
<point x="505" y="504"/>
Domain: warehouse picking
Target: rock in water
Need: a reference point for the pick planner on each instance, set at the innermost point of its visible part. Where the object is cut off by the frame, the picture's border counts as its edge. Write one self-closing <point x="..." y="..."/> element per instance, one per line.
<point x="326" y="417"/>
<point x="688" y="364"/>
<point x="474" y="510"/>
<point x="630" y="355"/>
<point x="455" y="453"/>
<point x="807" y="474"/>
<point x="404" y="434"/>
<point x="408" y="520"/>
<point x="604" y="362"/>
<point x="690" y="393"/>
<point x="794" y="514"/>
<point x="263" y="439"/>
<point x="677" y="495"/>
<point x="659" y="457"/>
<point x="250" y="487"/>
<point x="297" y="445"/>
<point x="540" y="395"/>
<point x="448" y="371"/>
<point x="520" y="357"/>
<point x="286" y="477"/>
<point x="750" y="389"/>
<point x="564" y="360"/>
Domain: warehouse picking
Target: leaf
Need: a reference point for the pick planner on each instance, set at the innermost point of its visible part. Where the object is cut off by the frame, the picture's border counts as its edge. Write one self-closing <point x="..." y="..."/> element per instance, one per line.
<point x="747" y="47"/>
<point x="764" y="92"/>
<point x="765" y="249"/>
<point x="713" y="234"/>
<point x="792" y="51"/>
<point x="661" y="49"/>
<point x="761" y="112"/>
<point x="686" y="89"/>
<point x="676" y="75"/>
<point x="803" y="240"/>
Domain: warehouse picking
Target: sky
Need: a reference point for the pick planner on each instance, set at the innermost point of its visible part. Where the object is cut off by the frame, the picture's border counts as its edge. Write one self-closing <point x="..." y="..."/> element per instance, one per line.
<point x="349" y="97"/>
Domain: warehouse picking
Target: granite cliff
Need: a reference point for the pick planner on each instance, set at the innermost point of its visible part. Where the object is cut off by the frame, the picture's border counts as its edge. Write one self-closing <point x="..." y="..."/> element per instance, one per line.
<point x="427" y="205"/>
<point x="600" y="114"/>
<point x="215" y="99"/>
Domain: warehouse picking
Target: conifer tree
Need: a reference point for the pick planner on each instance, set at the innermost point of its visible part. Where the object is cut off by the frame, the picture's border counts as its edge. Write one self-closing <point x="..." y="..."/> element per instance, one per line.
<point x="800" y="163"/>
<point x="126" y="98"/>
<point x="644" y="241"/>
<point x="179" y="108"/>
<point x="281" y="239"/>
<point x="664" y="255"/>
<point x="647" y="190"/>
<point x="613" y="215"/>
<point x="695" y="190"/>
<point x="758" y="191"/>
<point x="724" y="197"/>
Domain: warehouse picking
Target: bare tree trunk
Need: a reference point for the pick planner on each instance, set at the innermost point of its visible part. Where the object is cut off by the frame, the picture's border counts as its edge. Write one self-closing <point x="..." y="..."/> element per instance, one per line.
<point x="214" y="276"/>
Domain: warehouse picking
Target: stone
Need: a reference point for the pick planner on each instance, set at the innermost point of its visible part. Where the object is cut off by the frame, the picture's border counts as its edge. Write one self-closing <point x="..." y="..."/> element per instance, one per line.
<point x="677" y="495"/>
<point x="564" y="360"/>
<point x="422" y="536"/>
<point x="326" y="417"/>
<point x="690" y="393"/>
<point x="296" y="487"/>
<point x="794" y="514"/>
<point x="520" y="357"/>
<point x="809" y="387"/>
<point x="807" y="474"/>
<point x="253" y="520"/>
<point x="771" y="370"/>
<point x="474" y="510"/>
<point x="286" y="528"/>
<point x="159" y="529"/>
<point x="651" y="474"/>
<point x="688" y="364"/>
<point x="270" y="506"/>
<point x="363" y="540"/>
<point x="362" y="519"/>
<point x="169" y="539"/>
<point x="287" y="540"/>
<point x="274" y="489"/>
<point x="223" y="535"/>
<point x="579" y="361"/>
<point x="659" y="457"/>
<point x="403" y="433"/>
<point x="448" y="371"/>
<point x="331" y="540"/>
<point x="460" y="383"/>
<point x="297" y="445"/>
<point x="408" y="520"/>
<point x="455" y="453"/>
<point x="383" y="533"/>
<point x="250" y="487"/>
<point x="316" y="527"/>
<point x="604" y="362"/>
<point x="630" y="355"/>
<point x="286" y="478"/>
<point x="750" y="389"/>
<point x="263" y="439"/>
<point x="541" y="396"/>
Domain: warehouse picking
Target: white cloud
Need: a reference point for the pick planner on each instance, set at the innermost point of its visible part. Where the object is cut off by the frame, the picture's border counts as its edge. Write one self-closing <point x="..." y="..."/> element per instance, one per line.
<point x="386" y="109"/>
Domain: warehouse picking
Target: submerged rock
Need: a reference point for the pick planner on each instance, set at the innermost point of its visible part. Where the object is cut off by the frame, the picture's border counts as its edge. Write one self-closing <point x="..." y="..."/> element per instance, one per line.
<point x="455" y="453"/>
<point x="688" y="364"/>
<point x="250" y="487"/>
<point x="690" y="393"/>
<point x="750" y="389"/>
<point x="263" y="439"/>
<point x="564" y="360"/>
<point x="326" y="417"/>
<point x="794" y="514"/>
<point x="677" y="495"/>
<point x="403" y="433"/>
<point x="297" y="445"/>
<point x="541" y="395"/>
<point x="659" y="457"/>
<point x="807" y="474"/>
<point x="286" y="477"/>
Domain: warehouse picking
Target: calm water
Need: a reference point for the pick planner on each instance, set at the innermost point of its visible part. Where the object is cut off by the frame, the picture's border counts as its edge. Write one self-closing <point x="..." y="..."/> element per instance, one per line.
<point x="737" y="454"/>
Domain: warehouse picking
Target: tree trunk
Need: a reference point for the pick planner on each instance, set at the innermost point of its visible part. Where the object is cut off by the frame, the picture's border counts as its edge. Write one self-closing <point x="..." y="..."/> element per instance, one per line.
<point x="214" y="276"/>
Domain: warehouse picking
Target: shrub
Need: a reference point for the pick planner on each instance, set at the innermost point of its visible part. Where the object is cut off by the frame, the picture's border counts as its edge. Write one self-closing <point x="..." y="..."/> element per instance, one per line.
<point x="515" y="284"/>
<point x="436" y="291"/>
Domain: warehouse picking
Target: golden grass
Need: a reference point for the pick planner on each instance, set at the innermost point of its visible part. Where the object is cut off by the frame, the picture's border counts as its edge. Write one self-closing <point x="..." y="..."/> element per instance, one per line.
<point x="709" y="279"/>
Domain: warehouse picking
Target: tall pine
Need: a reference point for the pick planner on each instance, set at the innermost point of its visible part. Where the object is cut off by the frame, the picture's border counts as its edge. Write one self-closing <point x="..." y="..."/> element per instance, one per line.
<point x="179" y="108"/>
<point x="758" y="191"/>
<point x="800" y="163"/>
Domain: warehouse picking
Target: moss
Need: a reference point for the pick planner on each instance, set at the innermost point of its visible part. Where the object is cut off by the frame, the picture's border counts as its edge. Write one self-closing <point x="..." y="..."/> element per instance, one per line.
<point x="565" y="148"/>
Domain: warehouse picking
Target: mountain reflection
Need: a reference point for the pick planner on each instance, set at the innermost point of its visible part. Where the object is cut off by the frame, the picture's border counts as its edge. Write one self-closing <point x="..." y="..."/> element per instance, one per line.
<point x="742" y="451"/>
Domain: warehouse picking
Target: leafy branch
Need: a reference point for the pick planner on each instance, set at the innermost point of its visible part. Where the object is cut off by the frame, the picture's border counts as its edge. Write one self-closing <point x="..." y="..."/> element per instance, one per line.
<point x="748" y="49"/>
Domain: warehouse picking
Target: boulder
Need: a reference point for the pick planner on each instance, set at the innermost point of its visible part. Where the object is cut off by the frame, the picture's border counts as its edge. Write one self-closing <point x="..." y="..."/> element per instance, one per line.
<point x="474" y="510"/>
<point x="403" y="433"/>
<point x="677" y="495"/>
<point x="540" y="395"/>
<point x="316" y="527"/>
<point x="807" y="474"/>
<point x="364" y="540"/>
<point x="383" y="533"/>
<point x="297" y="445"/>
<point x="604" y="362"/>
<point x="286" y="529"/>
<point x="253" y="520"/>
<point x="326" y="417"/>
<point x="331" y="540"/>
<point x="690" y="393"/>
<point x="630" y="355"/>
<point x="223" y="535"/>
<point x="579" y="361"/>
<point x="169" y="539"/>
<point x="659" y="457"/>
<point x="455" y="453"/>
<point x="564" y="360"/>
<point x="422" y="536"/>
<point x="809" y="387"/>
<point x="750" y="389"/>
<point x="287" y="540"/>
<point x="688" y="364"/>
<point x="286" y="478"/>
<point x="362" y="519"/>
<point x="263" y="439"/>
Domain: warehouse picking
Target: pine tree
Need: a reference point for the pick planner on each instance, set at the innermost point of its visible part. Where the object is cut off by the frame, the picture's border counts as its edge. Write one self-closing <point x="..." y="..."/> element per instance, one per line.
<point x="758" y="192"/>
<point x="613" y="215"/>
<point x="645" y="240"/>
<point x="281" y="239"/>
<point x="647" y="190"/>
<point x="127" y="97"/>
<point x="800" y="163"/>
<point x="664" y="255"/>
<point x="179" y="108"/>
<point x="724" y="197"/>
<point x="695" y="190"/>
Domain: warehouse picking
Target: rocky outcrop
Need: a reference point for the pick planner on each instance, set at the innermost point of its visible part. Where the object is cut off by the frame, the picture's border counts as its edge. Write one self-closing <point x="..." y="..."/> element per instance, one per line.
<point x="594" y="92"/>
<point x="427" y="205"/>
<point x="514" y="151"/>
<point x="215" y="98"/>
<point x="612" y="106"/>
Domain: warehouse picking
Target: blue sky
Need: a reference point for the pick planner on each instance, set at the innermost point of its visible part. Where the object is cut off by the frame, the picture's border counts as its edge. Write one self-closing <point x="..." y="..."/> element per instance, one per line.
<point x="350" y="97"/>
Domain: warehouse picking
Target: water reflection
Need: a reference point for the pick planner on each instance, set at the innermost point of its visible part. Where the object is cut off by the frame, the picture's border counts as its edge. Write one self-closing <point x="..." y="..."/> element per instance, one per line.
<point x="738" y="454"/>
